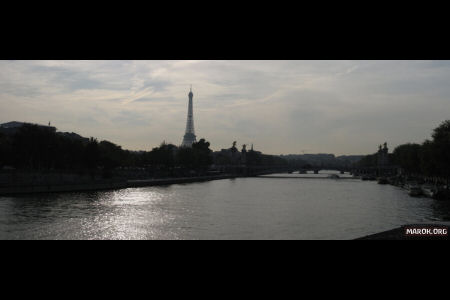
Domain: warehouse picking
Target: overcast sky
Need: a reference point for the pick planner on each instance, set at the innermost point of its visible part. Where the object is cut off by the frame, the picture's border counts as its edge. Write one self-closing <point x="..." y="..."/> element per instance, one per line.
<point x="282" y="107"/>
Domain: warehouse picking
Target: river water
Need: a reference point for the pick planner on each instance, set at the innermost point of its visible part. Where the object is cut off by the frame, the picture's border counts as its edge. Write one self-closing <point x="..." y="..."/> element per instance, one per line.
<point x="242" y="208"/>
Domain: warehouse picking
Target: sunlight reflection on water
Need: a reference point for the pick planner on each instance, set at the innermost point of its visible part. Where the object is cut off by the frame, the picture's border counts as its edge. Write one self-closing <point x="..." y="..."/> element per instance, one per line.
<point x="245" y="208"/>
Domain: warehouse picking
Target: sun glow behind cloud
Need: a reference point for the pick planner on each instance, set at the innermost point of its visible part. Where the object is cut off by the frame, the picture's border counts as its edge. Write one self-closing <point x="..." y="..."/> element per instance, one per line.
<point x="341" y="107"/>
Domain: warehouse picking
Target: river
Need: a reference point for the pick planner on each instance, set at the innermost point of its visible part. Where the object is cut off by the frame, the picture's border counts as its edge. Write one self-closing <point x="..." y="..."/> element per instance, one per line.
<point x="242" y="208"/>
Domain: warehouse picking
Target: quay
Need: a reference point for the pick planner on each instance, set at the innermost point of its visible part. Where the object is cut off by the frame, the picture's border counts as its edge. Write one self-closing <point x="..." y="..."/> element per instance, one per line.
<point x="399" y="233"/>
<point x="106" y="185"/>
<point x="168" y="181"/>
<point x="304" y="177"/>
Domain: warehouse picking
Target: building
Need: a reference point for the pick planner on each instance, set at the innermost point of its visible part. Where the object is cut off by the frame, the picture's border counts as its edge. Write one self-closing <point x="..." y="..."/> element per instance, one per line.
<point x="11" y="128"/>
<point x="189" y="136"/>
<point x="383" y="155"/>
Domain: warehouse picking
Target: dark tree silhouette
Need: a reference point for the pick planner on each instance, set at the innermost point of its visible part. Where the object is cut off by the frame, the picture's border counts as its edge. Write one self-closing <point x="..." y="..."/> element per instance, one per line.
<point x="431" y="158"/>
<point x="428" y="161"/>
<point x="407" y="156"/>
<point x="163" y="156"/>
<point x="202" y="154"/>
<point x="441" y="145"/>
<point x="185" y="157"/>
<point x="91" y="155"/>
<point x="5" y="151"/>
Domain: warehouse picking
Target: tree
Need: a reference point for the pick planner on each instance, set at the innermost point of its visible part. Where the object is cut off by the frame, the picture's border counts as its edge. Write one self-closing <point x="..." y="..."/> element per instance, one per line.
<point x="91" y="155"/>
<point x="407" y="156"/>
<point x="163" y="156"/>
<point x="427" y="155"/>
<point x="34" y="147"/>
<point x="441" y="149"/>
<point x="367" y="161"/>
<point x="185" y="157"/>
<point x="442" y="132"/>
<point x="111" y="155"/>
<point x="5" y="150"/>
<point x="202" y="154"/>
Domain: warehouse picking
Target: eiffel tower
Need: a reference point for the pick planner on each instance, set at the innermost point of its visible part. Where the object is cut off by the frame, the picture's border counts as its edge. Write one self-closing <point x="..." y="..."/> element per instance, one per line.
<point x="189" y="137"/>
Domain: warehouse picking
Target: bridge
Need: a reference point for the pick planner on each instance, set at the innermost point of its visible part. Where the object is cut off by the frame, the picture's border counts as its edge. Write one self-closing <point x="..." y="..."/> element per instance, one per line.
<point x="303" y="177"/>
<point x="377" y="171"/>
<point x="316" y="170"/>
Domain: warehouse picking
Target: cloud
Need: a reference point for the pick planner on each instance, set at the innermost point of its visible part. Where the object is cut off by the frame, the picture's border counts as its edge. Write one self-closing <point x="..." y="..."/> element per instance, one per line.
<point x="342" y="107"/>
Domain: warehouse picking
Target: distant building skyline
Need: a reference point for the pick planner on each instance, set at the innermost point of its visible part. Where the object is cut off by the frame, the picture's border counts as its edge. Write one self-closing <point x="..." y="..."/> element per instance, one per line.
<point x="14" y="126"/>
<point x="283" y="107"/>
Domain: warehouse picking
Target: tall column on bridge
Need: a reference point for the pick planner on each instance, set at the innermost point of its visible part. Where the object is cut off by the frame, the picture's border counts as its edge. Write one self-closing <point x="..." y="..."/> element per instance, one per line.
<point x="189" y="136"/>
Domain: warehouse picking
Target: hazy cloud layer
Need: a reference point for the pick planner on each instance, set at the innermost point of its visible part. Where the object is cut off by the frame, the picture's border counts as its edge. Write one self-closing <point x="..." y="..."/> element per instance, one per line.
<point x="341" y="107"/>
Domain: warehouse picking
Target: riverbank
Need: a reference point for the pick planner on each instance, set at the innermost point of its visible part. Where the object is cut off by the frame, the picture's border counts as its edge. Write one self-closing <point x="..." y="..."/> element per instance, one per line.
<point x="418" y="187"/>
<point x="429" y="232"/>
<point x="107" y="185"/>
<point x="304" y="177"/>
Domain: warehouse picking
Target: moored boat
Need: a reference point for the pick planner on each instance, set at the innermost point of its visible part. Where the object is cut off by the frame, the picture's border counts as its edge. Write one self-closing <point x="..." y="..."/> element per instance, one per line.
<point x="429" y="191"/>
<point x="414" y="190"/>
<point x="333" y="176"/>
<point x="382" y="180"/>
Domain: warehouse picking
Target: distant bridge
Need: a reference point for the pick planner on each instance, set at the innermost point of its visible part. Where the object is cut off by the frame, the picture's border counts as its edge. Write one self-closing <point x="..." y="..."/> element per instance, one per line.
<point x="302" y="177"/>
<point x="390" y="170"/>
<point x="316" y="170"/>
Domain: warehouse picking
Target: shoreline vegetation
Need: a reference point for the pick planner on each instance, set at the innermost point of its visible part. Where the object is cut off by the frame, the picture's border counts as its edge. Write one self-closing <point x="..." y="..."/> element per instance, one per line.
<point x="112" y="184"/>
<point x="422" y="169"/>
<point x="36" y="158"/>
<point x="104" y="185"/>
